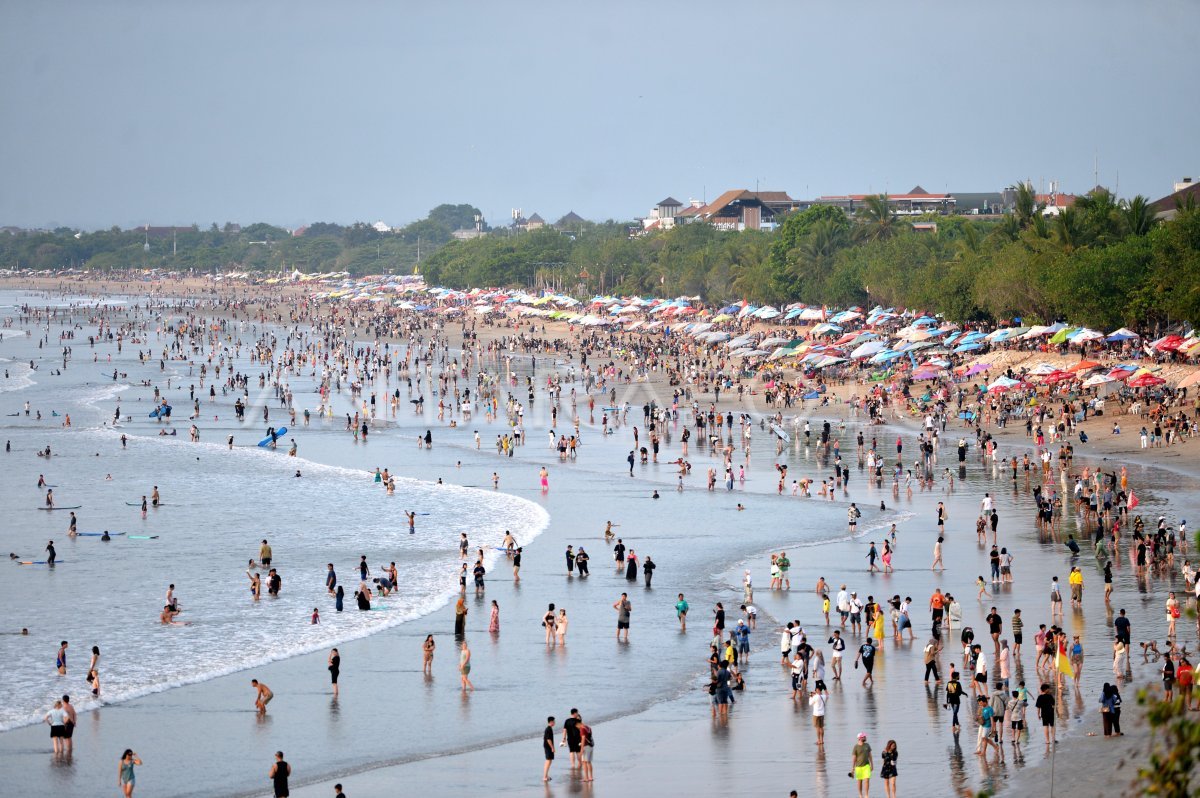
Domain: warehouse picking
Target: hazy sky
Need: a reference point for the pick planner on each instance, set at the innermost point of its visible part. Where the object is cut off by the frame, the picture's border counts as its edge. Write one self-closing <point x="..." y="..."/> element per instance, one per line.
<point x="118" y="112"/>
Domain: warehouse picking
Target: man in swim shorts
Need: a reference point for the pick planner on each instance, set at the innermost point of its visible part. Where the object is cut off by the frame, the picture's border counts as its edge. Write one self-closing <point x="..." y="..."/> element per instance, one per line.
<point x="263" y="695"/>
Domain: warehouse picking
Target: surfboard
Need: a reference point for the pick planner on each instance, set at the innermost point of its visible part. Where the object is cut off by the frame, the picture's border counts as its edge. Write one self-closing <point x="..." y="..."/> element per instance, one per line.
<point x="781" y="432"/>
<point x="38" y="562"/>
<point x="279" y="433"/>
<point x="142" y="537"/>
<point x="162" y="410"/>
<point x="72" y="507"/>
<point x="98" y="534"/>
<point x="149" y="504"/>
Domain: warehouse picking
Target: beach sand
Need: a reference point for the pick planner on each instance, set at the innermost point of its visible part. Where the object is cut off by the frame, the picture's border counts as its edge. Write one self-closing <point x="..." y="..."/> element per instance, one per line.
<point x="654" y="733"/>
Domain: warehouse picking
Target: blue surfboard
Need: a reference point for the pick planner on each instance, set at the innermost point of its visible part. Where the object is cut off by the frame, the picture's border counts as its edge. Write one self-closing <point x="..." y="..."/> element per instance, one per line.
<point x="279" y="433"/>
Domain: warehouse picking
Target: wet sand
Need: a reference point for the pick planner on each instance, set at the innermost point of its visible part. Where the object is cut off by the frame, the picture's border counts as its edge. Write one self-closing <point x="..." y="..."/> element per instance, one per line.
<point x="654" y="733"/>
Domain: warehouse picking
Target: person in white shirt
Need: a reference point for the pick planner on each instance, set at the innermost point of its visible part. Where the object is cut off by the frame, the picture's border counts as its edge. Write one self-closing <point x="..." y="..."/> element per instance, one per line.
<point x="838" y="645"/>
<point x="816" y="700"/>
<point x="986" y="504"/>
<point x="843" y="605"/>
<point x="785" y="644"/>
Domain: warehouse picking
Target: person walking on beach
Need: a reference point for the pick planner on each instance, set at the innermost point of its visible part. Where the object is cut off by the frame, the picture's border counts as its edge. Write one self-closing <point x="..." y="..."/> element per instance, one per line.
<point x="937" y="555"/>
<point x="954" y="694"/>
<point x="623" y="608"/>
<point x="126" y="778"/>
<point x="262" y="695"/>
<point x="866" y="655"/>
<point x="280" y="770"/>
<point x="548" y="748"/>
<point x="889" y="772"/>
<point x="816" y="702"/>
<point x="1045" y="708"/>
<point x="861" y="762"/>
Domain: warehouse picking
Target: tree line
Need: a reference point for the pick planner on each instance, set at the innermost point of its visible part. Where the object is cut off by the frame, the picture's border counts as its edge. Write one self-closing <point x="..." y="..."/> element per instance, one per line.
<point x="1104" y="262"/>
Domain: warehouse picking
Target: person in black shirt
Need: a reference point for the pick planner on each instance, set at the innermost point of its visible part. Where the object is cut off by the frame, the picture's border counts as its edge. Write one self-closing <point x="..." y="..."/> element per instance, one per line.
<point x="1045" y="708"/>
<point x="994" y="623"/>
<point x="648" y="570"/>
<point x="572" y="737"/>
<point x="548" y="747"/>
<point x="1122" y="626"/>
<point x="866" y="655"/>
<point x="279" y="775"/>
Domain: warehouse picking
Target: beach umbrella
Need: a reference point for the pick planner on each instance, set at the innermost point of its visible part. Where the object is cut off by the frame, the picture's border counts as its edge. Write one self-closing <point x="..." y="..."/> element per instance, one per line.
<point x="1085" y="335"/>
<point x="811" y="314"/>
<point x="1144" y="379"/>
<point x="1062" y="335"/>
<point x="1098" y="379"/>
<point x="1189" y="380"/>
<point x="867" y="349"/>
<point x="1084" y="365"/>
<point x="1122" y="334"/>
<point x="968" y="347"/>
<point x="1057" y="377"/>
<point x="977" y="368"/>
<point x="1003" y="384"/>
<point x="1042" y="369"/>
<point x="1168" y="343"/>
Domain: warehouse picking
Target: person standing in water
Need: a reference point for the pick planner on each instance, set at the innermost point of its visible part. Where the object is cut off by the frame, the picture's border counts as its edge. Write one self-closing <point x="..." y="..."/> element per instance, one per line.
<point x="427" y="649"/>
<point x="262" y="695"/>
<point x="464" y="667"/>
<point x="623" y="608"/>
<point x="60" y="662"/>
<point x="335" y="668"/>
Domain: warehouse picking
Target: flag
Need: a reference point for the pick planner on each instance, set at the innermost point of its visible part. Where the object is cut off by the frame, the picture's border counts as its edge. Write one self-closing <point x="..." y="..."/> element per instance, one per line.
<point x="1062" y="664"/>
<point x="1133" y="501"/>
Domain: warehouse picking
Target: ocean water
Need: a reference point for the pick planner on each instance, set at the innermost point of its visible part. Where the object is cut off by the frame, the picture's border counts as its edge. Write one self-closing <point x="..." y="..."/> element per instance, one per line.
<point x="218" y="504"/>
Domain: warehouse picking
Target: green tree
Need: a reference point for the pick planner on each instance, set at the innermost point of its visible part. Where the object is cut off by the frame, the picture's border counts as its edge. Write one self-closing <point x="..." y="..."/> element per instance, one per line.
<point x="878" y="222"/>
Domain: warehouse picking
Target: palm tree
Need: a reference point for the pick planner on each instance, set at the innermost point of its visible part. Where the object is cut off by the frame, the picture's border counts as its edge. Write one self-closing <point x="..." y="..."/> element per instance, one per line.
<point x="1138" y="216"/>
<point x="968" y="244"/>
<point x="1101" y="216"/>
<point x="1026" y="205"/>
<point x="1066" y="230"/>
<point x="878" y="219"/>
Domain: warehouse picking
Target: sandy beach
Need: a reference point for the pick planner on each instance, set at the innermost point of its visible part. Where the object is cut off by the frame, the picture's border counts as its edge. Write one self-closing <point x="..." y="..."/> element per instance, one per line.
<point x="646" y="700"/>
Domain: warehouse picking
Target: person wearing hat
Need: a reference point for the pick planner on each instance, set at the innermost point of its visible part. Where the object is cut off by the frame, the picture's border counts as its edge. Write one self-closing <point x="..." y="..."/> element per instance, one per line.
<point x="860" y="763"/>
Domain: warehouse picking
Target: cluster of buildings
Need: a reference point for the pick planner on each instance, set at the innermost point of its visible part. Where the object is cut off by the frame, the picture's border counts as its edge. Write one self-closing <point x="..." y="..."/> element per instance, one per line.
<point x="741" y="209"/>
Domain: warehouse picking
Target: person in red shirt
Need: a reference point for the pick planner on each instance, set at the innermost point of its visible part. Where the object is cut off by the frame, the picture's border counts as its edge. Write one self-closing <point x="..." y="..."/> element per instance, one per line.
<point x="1184" y="677"/>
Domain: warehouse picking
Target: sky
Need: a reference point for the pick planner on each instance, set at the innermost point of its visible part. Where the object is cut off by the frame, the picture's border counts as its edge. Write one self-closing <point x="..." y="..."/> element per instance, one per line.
<point x="167" y="112"/>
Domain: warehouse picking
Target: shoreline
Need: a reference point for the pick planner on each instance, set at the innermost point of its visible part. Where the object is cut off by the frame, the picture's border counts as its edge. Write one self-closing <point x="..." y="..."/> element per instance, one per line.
<point x="828" y="554"/>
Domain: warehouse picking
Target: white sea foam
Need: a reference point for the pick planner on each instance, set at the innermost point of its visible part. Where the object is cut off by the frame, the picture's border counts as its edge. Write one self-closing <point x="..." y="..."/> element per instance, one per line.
<point x="332" y="514"/>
